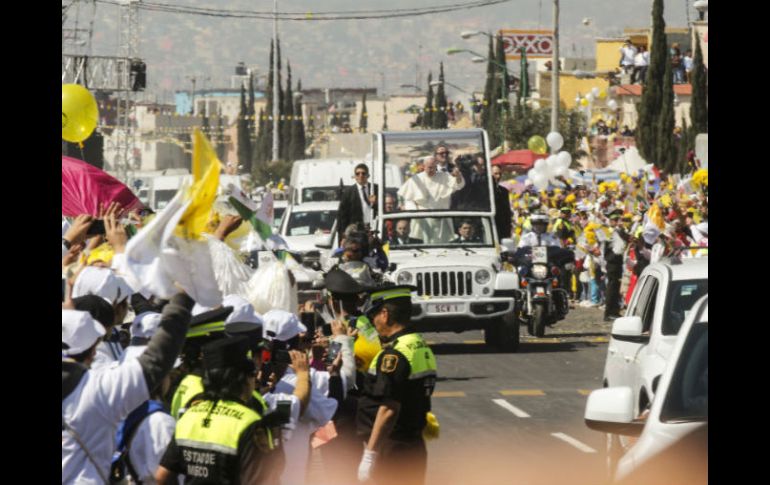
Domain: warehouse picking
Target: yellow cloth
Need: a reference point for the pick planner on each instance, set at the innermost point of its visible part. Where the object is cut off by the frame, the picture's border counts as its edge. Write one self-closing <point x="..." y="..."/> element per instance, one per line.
<point x="205" y="167"/>
<point x="103" y="253"/>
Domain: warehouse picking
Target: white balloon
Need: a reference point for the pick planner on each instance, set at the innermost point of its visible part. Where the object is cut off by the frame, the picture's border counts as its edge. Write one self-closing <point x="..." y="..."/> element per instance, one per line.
<point x="541" y="183"/>
<point x="595" y="92"/>
<point x="564" y="158"/>
<point x="561" y="172"/>
<point x="540" y="165"/>
<point x="590" y="97"/>
<point x="612" y="104"/>
<point x="552" y="162"/>
<point x="555" y="140"/>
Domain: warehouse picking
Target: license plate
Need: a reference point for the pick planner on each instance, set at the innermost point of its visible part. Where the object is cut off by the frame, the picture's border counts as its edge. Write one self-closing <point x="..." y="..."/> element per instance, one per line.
<point x="446" y="308"/>
<point x="540" y="291"/>
<point x="540" y="254"/>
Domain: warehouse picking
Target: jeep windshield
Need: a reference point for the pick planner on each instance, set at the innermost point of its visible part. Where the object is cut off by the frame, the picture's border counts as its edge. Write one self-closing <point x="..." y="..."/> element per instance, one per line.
<point x="437" y="231"/>
<point x="441" y="171"/>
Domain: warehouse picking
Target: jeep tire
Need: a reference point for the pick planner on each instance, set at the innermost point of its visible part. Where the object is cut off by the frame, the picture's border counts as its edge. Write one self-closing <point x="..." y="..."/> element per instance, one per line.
<point x="503" y="333"/>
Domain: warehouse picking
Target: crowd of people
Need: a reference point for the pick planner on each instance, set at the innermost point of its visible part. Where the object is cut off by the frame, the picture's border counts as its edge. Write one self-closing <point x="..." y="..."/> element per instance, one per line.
<point x="634" y="61"/>
<point x="167" y="390"/>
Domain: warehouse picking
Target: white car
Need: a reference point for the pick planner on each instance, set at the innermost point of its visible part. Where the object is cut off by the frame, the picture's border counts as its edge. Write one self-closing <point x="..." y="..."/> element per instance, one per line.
<point x="678" y="410"/>
<point x="279" y="208"/>
<point x="302" y="224"/>
<point x="642" y="341"/>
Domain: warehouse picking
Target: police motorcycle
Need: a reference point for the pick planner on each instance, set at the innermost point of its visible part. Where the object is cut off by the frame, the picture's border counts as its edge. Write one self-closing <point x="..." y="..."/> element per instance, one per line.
<point x="544" y="301"/>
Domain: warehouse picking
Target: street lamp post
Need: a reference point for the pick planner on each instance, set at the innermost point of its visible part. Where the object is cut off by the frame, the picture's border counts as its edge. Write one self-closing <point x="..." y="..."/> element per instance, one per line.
<point x="275" y="81"/>
<point x="702" y="6"/>
<point x="555" y="70"/>
<point x="416" y="88"/>
<point x="472" y="99"/>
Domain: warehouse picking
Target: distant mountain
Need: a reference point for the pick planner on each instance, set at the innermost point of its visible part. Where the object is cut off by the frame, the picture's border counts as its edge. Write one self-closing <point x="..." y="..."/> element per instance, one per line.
<point x="350" y="53"/>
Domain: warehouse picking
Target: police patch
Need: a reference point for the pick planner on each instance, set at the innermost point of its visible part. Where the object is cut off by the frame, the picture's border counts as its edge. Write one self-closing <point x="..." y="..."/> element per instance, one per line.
<point x="389" y="363"/>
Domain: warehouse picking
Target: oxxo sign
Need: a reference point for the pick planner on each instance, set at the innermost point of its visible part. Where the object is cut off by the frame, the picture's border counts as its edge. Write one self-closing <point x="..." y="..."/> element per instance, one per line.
<point x="536" y="43"/>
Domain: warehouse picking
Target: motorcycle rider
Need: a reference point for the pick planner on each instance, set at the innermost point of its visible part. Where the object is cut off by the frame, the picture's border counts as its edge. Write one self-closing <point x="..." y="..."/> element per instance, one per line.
<point x="539" y="235"/>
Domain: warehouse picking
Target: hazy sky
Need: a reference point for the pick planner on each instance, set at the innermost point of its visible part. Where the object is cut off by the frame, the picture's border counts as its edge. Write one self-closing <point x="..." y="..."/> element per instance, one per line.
<point x="351" y="52"/>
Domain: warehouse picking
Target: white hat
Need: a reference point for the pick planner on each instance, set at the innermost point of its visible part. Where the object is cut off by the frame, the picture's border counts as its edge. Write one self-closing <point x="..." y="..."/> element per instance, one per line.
<point x="282" y="325"/>
<point x="243" y="313"/>
<point x="145" y="324"/>
<point x="650" y="235"/>
<point x="102" y="282"/>
<point x="79" y="331"/>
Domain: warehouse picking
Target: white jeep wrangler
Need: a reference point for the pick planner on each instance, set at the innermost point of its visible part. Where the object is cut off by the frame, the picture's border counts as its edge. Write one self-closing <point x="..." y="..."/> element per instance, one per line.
<point x="447" y="246"/>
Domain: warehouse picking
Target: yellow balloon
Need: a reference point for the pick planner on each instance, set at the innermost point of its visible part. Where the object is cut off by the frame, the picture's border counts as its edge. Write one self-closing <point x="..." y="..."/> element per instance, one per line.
<point x="79" y="113"/>
<point x="584" y="102"/>
<point x="537" y="144"/>
<point x="602" y="94"/>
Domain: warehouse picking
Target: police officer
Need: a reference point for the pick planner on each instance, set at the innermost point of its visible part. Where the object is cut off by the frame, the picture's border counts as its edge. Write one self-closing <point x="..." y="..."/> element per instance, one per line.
<point x="614" y="249"/>
<point x="219" y="439"/>
<point x="399" y="383"/>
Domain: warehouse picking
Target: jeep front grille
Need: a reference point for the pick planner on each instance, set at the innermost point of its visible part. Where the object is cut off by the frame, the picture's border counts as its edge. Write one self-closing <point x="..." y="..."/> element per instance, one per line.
<point x="445" y="283"/>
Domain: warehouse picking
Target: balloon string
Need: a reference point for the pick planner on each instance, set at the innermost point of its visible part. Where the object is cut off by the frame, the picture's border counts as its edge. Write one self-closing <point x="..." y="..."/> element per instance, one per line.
<point x="82" y="155"/>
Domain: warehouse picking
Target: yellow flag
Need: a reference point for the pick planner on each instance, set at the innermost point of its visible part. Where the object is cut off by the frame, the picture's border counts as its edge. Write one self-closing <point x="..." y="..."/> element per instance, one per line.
<point x="205" y="167"/>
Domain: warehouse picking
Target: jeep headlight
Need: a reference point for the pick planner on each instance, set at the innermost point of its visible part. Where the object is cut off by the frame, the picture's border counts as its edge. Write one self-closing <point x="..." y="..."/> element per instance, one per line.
<point x="404" y="278"/>
<point x="539" y="271"/>
<point x="482" y="277"/>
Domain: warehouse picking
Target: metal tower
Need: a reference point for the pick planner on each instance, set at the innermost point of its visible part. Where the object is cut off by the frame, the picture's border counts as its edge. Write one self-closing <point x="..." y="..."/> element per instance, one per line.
<point x="128" y="48"/>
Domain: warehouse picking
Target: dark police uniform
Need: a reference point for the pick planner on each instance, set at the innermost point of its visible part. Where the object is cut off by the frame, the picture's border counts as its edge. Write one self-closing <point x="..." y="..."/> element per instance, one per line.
<point x="404" y="371"/>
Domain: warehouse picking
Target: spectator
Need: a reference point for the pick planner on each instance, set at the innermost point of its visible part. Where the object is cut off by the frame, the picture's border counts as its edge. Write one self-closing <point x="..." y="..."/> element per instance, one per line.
<point x="627" y="131"/>
<point x="688" y="65"/>
<point x="677" y="64"/>
<point x="627" y="54"/>
<point x="641" y="63"/>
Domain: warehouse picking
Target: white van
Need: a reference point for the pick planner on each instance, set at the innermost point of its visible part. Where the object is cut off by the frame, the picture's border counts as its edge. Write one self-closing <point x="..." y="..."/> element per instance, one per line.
<point x="319" y="180"/>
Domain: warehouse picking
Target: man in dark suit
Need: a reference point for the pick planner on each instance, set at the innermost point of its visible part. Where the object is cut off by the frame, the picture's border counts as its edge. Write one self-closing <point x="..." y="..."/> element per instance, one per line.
<point x="441" y="155"/>
<point x="503" y="213"/>
<point x="358" y="203"/>
<point x="402" y="234"/>
<point x="466" y="234"/>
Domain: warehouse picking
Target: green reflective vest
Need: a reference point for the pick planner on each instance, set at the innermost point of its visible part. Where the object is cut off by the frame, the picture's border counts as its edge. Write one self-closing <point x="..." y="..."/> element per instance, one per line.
<point x="366" y="328"/>
<point x="190" y="387"/>
<point x="422" y="362"/>
<point x="211" y="452"/>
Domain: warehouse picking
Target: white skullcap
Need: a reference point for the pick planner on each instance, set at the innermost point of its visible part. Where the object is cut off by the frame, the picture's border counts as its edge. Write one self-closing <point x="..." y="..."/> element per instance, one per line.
<point x="145" y="324"/>
<point x="243" y="315"/>
<point x="101" y="282"/>
<point x="282" y="325"/>
<point x="79" y="331"/>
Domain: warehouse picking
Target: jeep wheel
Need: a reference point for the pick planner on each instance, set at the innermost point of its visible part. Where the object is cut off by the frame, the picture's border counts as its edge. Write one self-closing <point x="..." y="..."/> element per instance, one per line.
<point x="503" y="333"/>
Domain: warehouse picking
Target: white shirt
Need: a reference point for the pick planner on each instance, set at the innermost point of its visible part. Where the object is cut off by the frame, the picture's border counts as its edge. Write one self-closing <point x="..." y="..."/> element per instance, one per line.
<point x="365" y="208"/>
<point x="149" y="444"/>
<point x="688" y="63"/>
<point x="628" y="55"/>
<point x="101" y="400"/>
<point x="107" y="353"/>
<point x="320" y="411"/>
<point x="641" y="59"/>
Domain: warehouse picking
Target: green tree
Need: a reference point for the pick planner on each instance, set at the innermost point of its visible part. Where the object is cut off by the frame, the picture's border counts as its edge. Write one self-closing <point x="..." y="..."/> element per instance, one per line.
<point x="363" y="120"/>
<point x="287" y="116"/>
<point x="652" y="95"/>
<point x="699" y="113"/>
<point x="385" y="116"/>
<point x="440" y="116"/>
<point x="427" y="115"/>
<point x="487" y="103"/>
<point x="244" y="140"/>
<point x="220" y="137"/>
<point x="265" y="140"/>
<point x="665" y="153"/>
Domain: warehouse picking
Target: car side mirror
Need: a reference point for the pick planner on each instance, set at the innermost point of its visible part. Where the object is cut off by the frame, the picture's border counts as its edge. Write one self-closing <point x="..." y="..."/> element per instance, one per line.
<point x="629" y="329"/>
<point x="508" y="245"/>
<point x="611" y="410"/>
<point x="275" y="231"/>
<point x="324" y="241"/>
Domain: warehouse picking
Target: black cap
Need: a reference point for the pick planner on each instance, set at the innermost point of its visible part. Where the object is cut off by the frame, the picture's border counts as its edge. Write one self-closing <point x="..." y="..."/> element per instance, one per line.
<point x="340" y="282"/>
<point x="226" y="353"/>
<point x="378" y="297"/>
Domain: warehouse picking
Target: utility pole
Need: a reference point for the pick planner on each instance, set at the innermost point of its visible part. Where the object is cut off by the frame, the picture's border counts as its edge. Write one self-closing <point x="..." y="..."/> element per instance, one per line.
<point x="128" y="45"/>
<point x="555" y="70"/>
<point x="275" y="81"/>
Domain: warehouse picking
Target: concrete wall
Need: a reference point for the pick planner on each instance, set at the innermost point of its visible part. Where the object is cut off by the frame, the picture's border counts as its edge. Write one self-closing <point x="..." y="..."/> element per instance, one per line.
<point x="630" y="117"/>
<point x="608" y="54"/>
<point x="700" y="30"/>
<point x="569" y="88"/>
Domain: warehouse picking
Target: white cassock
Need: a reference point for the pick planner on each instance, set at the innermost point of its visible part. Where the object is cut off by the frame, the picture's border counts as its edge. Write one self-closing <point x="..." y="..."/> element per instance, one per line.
<point x="430" y="193"/>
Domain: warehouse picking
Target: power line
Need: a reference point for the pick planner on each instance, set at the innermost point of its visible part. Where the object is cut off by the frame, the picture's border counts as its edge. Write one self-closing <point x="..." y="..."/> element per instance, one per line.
<point x="308" y="16"/>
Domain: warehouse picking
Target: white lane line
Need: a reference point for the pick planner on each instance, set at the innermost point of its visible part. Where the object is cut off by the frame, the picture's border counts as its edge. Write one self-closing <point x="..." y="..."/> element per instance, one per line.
<point x="510" y="407"/>
<point x="577" y="444"/>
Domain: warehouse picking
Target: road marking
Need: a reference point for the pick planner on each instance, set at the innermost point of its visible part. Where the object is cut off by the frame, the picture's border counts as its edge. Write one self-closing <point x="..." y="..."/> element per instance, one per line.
<point x="584" y="392"/>
<point x="531" y="340"/>
<point x="430" y="342"/>
<point x="600" y="340"/>
<point x="523" y="392"/>
<point x="448" y="394"/>
<point x="510" y="407"/>
<point x="473" y="342"/>
<point x="577" y="444"/>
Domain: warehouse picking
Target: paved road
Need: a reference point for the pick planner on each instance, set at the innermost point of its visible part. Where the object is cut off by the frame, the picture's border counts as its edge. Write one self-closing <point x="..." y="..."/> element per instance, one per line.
<point x="518" y="418"/>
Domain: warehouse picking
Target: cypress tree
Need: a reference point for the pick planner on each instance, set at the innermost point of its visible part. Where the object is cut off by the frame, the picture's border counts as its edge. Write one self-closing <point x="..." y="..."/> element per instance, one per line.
<point x="384" y="116"/>
<point x="440" y="116"/>
<point x="286" y="148"/>
<point x="427" y="116"/>
<point x="699" y="114"/>
<point x="362" y="121"/>
<point x="486" y="103"/>
<point x="281" y="114"/>
<point x="252" y="128"/>
<point x="220" y="137"/>
<point x="298" y="129"/>
<point x="665" y="154"/>
<point x="244" y="141"/>
<point x="266" y="124"/>
<point x="652" y="96"/>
